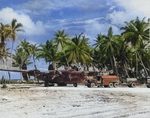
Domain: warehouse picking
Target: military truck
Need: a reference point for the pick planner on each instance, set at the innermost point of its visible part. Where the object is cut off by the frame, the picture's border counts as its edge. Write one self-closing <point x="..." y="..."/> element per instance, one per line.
<point x="93" y="79"/>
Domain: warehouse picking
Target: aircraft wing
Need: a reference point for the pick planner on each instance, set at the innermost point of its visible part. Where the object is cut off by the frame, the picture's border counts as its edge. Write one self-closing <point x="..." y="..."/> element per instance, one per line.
<point x="30" y="72"/>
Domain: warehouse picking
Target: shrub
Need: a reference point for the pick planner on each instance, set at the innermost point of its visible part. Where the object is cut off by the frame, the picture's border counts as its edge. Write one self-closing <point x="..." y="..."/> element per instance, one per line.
<point x="4" y="86"/>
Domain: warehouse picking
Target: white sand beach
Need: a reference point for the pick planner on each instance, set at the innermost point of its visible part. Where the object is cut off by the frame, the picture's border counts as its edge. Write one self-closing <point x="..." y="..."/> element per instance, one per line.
<point x="34" y="101"/>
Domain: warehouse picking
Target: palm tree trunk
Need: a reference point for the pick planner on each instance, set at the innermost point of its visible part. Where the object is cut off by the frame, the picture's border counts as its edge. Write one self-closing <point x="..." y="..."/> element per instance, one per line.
<point x="64" y="53"/>
<point x="112" y="65"/>
<point x="78" y="66"/>
<point x="28" y="77"/>
<point x="136" y="65"/>
<point x="125" y="67"/>
<point x="11" y="55"/>
<point x="115" y="65"/>
<point x="34" y="63"/>
<point x="5" y="66"/>
<point x="87" y="66"/>
<point x="11" y="62"/>
<point x="148" y="66"/>
<point x="54" y="64"/>
<point x="8" y="71"/>
<point x="93" y="67"/>
<point x="66" y="59"/>
<point x="21" y="78"/>
<point x="9" y="76"/>
<point x="143" y="64"/>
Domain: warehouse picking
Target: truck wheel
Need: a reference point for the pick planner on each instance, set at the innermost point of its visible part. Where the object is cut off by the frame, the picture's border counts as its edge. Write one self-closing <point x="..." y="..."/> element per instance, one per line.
<point x="105" y="85"/>
<point x="88" y="85"/>
<point x="111" y="85"/>
<point x="92" y="85"/>
<point x="148" y="86"/>
<point x="115" y="84"/>
<point x="75" y="84"/>
<point x="46" y="81"/>
<point x="133" y="85"/>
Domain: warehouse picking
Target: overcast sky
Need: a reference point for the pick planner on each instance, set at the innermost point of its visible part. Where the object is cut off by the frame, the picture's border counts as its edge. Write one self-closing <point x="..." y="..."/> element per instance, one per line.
<point x="42" y="18"/>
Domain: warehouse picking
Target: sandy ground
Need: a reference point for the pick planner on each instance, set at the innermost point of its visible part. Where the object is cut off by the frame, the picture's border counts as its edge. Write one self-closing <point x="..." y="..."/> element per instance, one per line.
<point x="33" y="101"/>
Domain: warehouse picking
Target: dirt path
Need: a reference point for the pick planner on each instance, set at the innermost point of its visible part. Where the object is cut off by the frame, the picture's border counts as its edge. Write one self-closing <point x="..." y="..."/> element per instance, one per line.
<point x="71" y="102"/>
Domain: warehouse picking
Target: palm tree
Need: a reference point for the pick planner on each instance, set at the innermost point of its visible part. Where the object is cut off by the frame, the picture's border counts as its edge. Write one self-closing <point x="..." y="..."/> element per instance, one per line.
<point x="4" y="54"/>
<point x="99" y="58"/>
<point x="124" y="58"/>
<point x="109" y="46"/>
<point x="34" y="50"/>
<point x="142" y="52"/>
<point x="12" y="33"/>
<point x="4" y="33"/>
<point x="145" y="55"/>
<point x="47" y="52"/>
<point x="136" y="32"/>
<point x="13" y="29"/>
<point x="25" y="46"/>
<point x="23" y="53"/>
<point x="78" y="51"/>
<point x="21" y="57"/>
<point x="61" y="40"/>
<point x="98" y="40"/>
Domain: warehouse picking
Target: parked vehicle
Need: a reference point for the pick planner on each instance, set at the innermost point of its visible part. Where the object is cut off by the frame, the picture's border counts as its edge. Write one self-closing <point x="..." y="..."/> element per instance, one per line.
<point x="101" y="80"/>
<point x="132" y="82"/>
<point x="61" y="77"/>
<point x="148" y="83"/>
<point x="65" y="77"/>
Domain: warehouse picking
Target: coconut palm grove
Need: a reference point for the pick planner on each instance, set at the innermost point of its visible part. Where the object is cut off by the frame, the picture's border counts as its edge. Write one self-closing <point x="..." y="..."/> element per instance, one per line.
<point x="127" y="54"/>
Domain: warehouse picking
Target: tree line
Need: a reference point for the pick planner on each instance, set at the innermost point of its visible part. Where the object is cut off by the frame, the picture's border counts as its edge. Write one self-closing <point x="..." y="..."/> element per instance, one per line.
<point x="127" y="54"/>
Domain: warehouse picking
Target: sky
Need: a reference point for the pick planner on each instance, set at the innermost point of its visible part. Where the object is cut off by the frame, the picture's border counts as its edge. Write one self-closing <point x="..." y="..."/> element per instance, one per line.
<point x="42" y="18"/>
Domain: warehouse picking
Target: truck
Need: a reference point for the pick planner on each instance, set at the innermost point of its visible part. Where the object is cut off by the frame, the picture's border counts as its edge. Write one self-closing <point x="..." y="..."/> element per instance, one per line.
<point x="94" y="79"/>
<point x="148" y="82"/>
<point x="132" y="82"/>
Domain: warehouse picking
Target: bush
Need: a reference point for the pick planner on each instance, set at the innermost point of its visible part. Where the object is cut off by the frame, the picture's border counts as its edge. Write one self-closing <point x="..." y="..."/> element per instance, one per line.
<point x="4" y="86"/>
<point x="2" y="81"/>
<point x="8" y="82"/>
<point x="29" y="82"/>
